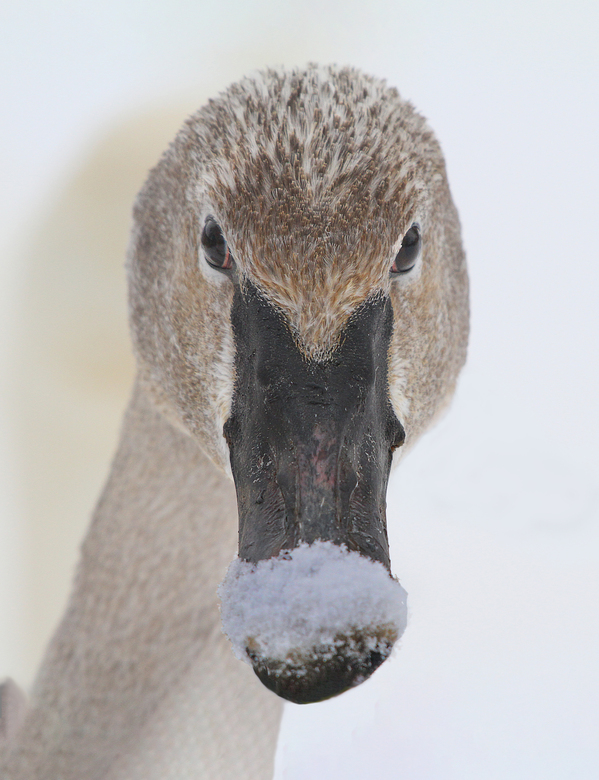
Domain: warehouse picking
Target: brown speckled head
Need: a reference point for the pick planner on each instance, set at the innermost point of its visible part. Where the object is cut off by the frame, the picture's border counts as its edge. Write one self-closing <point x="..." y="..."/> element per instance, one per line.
<point x="314" y="175"/>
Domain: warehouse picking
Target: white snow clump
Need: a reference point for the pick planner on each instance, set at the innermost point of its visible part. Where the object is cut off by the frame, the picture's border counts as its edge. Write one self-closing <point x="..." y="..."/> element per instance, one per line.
<point x="308" y="598"/>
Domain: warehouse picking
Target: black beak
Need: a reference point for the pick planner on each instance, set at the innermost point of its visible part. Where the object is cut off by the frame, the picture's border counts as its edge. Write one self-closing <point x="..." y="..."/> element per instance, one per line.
<point x="311" y="444"/>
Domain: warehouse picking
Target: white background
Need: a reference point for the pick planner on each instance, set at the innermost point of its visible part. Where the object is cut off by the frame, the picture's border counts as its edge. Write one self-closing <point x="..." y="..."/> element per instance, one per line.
<point x="494" y="518"/>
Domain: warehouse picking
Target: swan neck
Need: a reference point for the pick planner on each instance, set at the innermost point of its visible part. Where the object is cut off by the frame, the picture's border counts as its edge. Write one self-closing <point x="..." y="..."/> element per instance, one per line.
<point x="142" y="618"/>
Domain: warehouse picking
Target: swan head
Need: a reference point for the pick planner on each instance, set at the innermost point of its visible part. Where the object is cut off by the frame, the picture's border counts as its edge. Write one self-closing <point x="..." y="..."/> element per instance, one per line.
<point x="298" y="298"/>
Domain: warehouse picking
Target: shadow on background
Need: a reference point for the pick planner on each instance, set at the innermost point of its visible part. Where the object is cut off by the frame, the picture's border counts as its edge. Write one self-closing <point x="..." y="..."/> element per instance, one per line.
<point x="72" y="365"/>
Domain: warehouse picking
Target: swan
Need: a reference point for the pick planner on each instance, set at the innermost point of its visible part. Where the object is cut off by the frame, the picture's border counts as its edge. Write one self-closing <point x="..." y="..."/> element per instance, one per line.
<point x="298" y="303"/>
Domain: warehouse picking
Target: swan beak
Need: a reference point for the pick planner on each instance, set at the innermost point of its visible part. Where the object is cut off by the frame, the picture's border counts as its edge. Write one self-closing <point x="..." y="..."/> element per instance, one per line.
<point x="311" y="444"/>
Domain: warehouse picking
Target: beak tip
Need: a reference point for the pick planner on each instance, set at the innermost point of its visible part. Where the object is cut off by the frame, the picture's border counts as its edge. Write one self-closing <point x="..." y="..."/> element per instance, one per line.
<point x="325" y="672"/>
<point x="313" y="622"/>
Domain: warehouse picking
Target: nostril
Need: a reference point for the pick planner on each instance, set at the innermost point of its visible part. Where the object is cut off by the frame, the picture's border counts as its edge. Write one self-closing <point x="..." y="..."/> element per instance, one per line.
<point x="348" y="476"/>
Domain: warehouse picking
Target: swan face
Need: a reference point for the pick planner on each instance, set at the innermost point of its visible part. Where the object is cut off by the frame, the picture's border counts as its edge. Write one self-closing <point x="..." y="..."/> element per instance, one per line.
<point x="313" y="356"/>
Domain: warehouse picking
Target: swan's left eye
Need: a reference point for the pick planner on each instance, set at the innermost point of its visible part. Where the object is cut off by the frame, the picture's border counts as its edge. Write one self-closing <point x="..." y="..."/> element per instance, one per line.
<point x="408" y="253"/>
<point x="215" y="246"/>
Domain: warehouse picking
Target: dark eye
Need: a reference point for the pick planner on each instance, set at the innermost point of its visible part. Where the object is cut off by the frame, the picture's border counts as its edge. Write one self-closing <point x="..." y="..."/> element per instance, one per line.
<point x="215" y="247"/>
<point x="408" y="253"/>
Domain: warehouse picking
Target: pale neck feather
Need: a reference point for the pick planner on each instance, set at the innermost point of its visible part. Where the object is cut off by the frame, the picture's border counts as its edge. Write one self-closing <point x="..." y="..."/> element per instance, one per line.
<point x="139" y="681"/>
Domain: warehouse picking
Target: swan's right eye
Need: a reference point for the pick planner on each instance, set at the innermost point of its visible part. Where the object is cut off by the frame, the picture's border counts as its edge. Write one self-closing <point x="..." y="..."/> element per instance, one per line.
<point x="215" y="246"/>
<point x="408" y="253"/>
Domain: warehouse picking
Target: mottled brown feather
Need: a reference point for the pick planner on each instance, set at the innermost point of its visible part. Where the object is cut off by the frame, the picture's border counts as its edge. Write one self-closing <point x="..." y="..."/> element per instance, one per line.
<point x="314" y="175"/>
